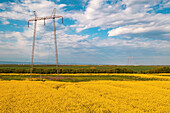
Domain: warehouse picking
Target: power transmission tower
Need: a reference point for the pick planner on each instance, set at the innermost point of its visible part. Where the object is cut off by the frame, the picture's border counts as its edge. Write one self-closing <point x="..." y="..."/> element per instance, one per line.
<point x="131" y="60"/>
<point x="53" y="16"/>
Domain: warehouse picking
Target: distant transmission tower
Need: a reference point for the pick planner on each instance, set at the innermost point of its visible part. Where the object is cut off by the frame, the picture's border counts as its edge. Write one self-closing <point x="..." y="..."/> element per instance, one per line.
<point x="131" y="60"/>
<point x="53" y="16"/>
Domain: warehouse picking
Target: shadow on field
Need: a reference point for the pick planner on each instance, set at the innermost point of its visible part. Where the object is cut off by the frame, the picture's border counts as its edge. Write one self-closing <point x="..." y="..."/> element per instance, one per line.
<point x="54" y="78"/>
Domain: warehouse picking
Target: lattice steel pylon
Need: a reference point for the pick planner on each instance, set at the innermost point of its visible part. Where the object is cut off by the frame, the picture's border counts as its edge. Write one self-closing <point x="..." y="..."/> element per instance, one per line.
<point x="132" y="58"/>
<point x="53" y="16"/>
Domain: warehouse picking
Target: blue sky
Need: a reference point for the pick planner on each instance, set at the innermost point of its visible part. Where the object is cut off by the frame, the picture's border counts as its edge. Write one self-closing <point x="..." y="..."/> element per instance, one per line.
<point x="94" y="31"/>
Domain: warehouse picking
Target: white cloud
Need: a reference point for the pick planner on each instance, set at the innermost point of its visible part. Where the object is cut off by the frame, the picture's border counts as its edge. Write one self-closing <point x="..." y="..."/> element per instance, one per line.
<point x="133" y="43"/>
<point x="140" y="28"/>
<point x="21" y="42"/>
<point x="133" y="20"/>
<point x="24" y="10"/>
<point x="4" y="21"/>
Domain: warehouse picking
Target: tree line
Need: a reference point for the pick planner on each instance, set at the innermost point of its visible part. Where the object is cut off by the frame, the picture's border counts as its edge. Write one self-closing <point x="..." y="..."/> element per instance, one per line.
<point x="53" y="71"/>
<point x="157" y="70"/>
<point x="83" y="70"/>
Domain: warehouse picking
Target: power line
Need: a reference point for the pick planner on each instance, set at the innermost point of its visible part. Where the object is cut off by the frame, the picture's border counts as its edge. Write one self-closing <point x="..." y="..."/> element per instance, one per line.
<point x="45" y="36"/>
<point x="23" y="13"/>
<point x="86" y="41"/>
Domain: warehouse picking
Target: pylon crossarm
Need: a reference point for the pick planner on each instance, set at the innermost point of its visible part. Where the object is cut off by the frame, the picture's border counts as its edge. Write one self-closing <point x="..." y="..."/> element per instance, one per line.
<point x="44" y="18"/>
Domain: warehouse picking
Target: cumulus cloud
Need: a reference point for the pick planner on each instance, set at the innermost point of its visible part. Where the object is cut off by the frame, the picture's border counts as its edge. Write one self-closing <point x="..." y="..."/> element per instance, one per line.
<point x="141" y="28"/>
<point x="124" y="17"/>
<point x="167" y="5"/>
<point x="24" y="9"/>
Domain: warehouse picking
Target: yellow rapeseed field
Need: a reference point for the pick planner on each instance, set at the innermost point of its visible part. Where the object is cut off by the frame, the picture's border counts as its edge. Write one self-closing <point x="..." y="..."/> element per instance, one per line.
<point x="84" y="97"/>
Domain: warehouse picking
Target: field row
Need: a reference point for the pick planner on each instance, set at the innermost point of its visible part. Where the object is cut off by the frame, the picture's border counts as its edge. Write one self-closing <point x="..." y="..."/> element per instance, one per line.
<point x="86" y="77"/>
